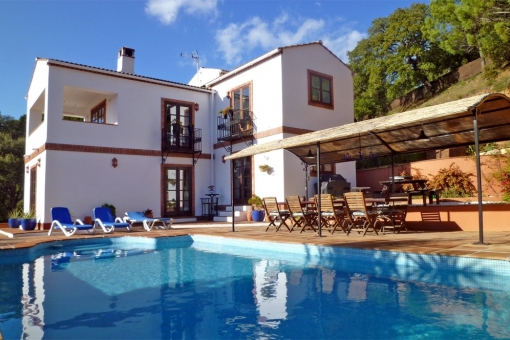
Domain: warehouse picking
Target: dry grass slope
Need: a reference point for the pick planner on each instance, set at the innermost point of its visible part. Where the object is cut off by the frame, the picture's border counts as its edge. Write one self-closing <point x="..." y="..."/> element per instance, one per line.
<point x="464" y="89"/>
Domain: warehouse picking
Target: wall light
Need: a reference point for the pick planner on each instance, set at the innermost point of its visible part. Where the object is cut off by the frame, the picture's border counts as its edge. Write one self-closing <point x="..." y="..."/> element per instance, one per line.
<point x="39" y="162"/>
<point x="115" y="162"/>
<point x="422" y="135"/>
<point x="27" y="169"/>
<point x="196" y="106"/>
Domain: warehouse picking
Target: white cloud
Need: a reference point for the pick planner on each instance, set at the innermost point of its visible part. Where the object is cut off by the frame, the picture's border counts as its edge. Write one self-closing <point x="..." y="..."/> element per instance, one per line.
<point x="237" y="40"/>
<point x="343" y="42"/>
<point x="167" y="10"/>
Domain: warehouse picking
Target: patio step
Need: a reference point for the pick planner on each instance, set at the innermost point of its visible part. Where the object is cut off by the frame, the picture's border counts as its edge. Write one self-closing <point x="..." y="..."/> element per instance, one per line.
<point x="226" y="216"/>
<point x="184" y="220"/>
<point x="238" y="208"/>
<point x="229" y="218"/>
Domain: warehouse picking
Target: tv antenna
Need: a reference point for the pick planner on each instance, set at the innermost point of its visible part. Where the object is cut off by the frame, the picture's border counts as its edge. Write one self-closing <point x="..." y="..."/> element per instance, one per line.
<point x="194" y="56"/>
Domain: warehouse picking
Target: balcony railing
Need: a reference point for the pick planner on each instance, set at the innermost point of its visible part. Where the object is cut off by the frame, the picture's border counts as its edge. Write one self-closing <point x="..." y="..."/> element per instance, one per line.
<point x="235" y="125"/>
<point x="185" y="139"/>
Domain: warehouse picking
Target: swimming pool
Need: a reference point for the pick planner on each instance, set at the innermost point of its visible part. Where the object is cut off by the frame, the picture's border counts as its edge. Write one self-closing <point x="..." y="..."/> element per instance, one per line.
<point x="211" y="287"/>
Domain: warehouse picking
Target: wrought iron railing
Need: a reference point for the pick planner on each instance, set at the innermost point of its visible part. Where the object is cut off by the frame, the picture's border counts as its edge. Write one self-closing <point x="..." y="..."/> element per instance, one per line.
<point x="185" y="139"/>
<point x="235" y="125"/>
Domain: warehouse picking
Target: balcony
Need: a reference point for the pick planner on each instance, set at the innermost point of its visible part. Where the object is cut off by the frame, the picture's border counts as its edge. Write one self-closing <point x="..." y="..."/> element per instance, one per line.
<point x="236" y="125"/>
<point x="183" y="139"/>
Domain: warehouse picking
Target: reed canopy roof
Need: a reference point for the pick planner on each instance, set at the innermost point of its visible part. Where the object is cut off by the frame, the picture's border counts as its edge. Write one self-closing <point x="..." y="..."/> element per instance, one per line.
<point x="445" y="126"/>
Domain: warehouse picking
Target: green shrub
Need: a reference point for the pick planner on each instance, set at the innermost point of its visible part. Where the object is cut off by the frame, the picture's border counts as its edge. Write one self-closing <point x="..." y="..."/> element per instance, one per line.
<point x="453" y="181"/>
<point x="256" y="202"/>
<point x="112" y="208"/>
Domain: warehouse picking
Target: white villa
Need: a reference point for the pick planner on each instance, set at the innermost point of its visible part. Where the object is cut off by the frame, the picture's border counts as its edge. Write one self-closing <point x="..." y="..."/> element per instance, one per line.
<point x="98" y="136"/>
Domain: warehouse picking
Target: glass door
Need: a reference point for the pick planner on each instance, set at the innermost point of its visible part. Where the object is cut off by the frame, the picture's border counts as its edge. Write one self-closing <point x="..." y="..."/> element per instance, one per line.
<point x="177" y="122"/>
<point x="178" y="195"/>
<point x="242" y="180"/>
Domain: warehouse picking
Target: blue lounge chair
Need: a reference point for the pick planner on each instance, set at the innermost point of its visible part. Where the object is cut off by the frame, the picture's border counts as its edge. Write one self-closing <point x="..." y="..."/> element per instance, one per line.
<point x="148" y="223"/>
<point x="103" y="218"/>
<point x="61" y="219"/>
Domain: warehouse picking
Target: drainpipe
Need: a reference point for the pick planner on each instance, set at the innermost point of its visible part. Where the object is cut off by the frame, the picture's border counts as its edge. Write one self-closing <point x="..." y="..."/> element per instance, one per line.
<point x="211" y="108"/>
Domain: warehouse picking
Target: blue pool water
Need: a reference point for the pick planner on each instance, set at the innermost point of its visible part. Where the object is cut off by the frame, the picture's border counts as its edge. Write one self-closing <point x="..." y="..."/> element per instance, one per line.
<point x="207" y="288"/>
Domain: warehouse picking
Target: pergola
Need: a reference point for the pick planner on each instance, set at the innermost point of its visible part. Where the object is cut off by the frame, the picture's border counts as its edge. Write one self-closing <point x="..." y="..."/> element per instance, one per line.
<point x="478" y="119"/>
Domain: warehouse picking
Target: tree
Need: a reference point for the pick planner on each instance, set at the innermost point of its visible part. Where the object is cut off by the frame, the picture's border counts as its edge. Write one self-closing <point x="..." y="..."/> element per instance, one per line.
<point x="479" y="28"/>
<point x="12" y="147"/>
<point x="382" y="61"/>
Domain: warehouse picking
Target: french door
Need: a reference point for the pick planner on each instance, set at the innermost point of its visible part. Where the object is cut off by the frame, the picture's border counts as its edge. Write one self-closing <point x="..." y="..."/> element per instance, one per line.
<point x="242" y="180"/>
<point x="177" y="122"/>
<point x="178" y="193"/>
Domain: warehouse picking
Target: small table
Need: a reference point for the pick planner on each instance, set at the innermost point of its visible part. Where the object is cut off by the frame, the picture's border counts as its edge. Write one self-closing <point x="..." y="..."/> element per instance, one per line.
<point x="210" y="206"/>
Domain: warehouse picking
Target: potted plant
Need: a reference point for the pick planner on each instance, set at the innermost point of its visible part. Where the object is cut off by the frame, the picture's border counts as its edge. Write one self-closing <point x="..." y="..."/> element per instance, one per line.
<point x="14" y="218"/>
<point x="264" y="168"/>
<point x="226" y="112"/>
<point x="257" y="214"/>
<point x="148" y="213"/>
<point x="176" y="127"/>
<point x="111" y="207"/>
<point x="28" y="220"/>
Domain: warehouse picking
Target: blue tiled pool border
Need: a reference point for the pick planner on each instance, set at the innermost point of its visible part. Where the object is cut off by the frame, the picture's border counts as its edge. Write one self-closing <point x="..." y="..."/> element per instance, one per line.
<point x="377" y="260"/>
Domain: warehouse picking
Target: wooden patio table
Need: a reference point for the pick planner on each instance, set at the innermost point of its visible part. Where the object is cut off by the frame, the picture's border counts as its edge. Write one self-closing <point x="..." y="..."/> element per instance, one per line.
<point x="419" y="188"/>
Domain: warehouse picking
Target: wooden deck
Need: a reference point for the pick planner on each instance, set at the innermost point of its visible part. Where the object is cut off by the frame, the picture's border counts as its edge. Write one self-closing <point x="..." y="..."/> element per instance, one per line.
<point x="454" y="243"/>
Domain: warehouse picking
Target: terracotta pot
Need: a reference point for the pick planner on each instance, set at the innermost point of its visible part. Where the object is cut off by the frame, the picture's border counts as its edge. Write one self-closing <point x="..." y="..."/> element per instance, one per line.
<point x="149" y="215"/>
<point x="248" y="216"/>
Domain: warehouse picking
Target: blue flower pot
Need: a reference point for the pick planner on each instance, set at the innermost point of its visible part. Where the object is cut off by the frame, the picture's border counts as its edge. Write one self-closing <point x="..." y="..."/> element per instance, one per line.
<point x="28" y="224"/>
<point x="14" y="223"/>
<point x="258" y="215"/>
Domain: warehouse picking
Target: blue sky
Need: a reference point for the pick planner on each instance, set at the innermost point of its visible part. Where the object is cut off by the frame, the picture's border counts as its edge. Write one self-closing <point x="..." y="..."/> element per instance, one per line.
<point x="225" y="33"/>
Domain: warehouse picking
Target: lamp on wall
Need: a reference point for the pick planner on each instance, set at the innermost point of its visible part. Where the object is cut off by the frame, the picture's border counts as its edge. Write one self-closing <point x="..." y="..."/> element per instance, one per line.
<point x="115" y="162"/>
<point x="196" y="106"/>
<point x="27" y="169"/>
<point x="39" y="162"/>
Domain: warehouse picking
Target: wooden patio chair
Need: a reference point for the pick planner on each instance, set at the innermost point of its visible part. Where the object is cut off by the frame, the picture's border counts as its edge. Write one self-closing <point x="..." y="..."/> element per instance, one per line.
<point x="393" y="217"/>
<point x="359" y="217"/>
<point x="332" y="217"/>
<point x="274" y="214"/>
<point x="300" y="218"/>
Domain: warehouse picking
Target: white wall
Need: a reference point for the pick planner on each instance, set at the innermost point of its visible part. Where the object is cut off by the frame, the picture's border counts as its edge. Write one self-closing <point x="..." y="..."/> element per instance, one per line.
<point x="84" y="180"/>
<point x="138" y="106"/>
<point x="297" y="112"/>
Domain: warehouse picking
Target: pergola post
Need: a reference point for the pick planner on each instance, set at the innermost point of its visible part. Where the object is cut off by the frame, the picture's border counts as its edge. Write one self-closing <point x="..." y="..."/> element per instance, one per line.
<point x="478" y="179"/>
<point x="319" y="215"/>
<point x="232" y="164"/>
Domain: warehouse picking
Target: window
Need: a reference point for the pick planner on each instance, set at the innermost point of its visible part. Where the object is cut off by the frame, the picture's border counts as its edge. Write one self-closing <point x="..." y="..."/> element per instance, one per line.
<point x="241" y="102"/>
<point x="320" y="90"/>
<point x="326" y="169"/>
<point x="98" y="113"/>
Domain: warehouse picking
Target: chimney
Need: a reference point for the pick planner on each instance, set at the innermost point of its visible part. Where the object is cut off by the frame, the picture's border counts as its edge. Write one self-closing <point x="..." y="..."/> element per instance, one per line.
<point x="126" y="61"/>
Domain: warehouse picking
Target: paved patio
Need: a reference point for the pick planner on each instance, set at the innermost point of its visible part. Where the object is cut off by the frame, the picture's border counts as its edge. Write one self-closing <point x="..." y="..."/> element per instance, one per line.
<point x="457" y="243"/>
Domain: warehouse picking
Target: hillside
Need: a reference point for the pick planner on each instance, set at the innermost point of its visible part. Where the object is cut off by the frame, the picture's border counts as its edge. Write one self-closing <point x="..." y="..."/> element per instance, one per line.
<point x="463" y="89"/>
